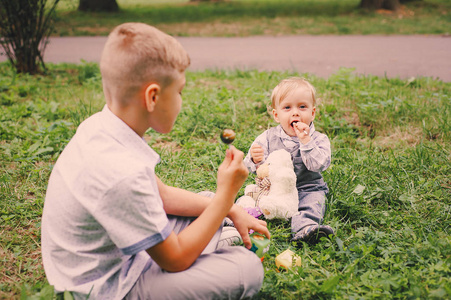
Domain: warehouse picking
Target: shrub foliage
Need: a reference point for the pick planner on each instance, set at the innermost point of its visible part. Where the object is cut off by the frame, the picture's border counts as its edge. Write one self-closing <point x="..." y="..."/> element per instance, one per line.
<point x="25" y="26"/>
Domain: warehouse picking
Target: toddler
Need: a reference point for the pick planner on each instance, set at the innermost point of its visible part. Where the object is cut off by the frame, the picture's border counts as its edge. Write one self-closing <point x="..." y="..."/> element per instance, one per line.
<point x="294" y="107"/>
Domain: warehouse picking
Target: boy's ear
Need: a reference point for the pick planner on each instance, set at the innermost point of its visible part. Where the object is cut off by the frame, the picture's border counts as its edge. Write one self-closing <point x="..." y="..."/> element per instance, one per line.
<point x="151" y="96"/>
<point x="313" y="113"/>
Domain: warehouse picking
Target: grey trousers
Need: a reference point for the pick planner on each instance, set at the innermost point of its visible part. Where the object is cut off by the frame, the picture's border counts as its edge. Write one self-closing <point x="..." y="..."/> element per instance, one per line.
<point x="311" y="210"/>
<point x="231" y="272"/>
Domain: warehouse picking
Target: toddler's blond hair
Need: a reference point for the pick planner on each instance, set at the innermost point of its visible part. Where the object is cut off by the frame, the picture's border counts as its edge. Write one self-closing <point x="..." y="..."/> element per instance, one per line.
<point x="136" y="54"/>
<point x="286" y="86"/>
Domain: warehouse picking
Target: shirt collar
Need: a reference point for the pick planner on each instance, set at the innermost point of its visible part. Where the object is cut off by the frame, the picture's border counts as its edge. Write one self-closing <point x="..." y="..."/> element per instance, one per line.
<point x="125" y="135"/>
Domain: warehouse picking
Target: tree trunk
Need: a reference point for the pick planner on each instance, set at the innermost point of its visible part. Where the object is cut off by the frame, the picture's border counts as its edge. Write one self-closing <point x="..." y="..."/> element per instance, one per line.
<point x="380" y="4"/>
<point x="98" y="5"/>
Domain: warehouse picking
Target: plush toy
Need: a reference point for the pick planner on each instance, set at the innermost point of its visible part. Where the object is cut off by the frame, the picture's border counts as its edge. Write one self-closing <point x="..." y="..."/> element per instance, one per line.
<point x="274" y="193"/>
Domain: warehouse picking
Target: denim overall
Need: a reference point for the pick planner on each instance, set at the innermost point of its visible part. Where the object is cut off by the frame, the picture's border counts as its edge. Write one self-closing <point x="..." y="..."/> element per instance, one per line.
<point x="311" y="187"/>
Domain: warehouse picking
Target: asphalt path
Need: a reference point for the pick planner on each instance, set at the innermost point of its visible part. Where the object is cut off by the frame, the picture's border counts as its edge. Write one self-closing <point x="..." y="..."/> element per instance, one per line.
<point x="392" y="56"/>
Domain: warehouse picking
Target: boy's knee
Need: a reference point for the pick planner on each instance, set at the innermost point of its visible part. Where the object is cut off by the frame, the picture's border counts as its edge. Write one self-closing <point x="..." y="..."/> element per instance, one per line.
<point x="251" y="270"/>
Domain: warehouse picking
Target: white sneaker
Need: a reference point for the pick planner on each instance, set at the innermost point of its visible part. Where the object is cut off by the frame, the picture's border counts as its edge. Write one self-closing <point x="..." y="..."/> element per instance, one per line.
<point x="228" y="222"/>
<point x="229" y="237"/>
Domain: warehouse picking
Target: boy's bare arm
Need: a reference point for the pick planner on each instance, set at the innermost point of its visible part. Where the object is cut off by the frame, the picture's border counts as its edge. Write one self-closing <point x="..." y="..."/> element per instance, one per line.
<point x="181" y="202"/>
<point x="178" y="252"/>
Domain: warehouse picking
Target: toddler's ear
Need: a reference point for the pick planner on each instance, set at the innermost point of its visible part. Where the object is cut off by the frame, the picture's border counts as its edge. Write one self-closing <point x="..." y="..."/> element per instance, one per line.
<point x="275" y="115"/>
<point x="151" y="96"/>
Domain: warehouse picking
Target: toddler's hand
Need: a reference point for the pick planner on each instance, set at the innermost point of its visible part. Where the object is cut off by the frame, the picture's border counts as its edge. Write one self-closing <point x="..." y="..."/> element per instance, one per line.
<point x="257" y="153"/>
<point x="302" y="131"/>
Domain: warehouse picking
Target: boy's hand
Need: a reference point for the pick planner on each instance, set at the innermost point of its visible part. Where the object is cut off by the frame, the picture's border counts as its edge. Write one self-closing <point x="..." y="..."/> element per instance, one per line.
<point x="257" y="153"/>
<point x="231" y="173"/>
<point x="302" y="131"/>
<point x="244" y="222"/>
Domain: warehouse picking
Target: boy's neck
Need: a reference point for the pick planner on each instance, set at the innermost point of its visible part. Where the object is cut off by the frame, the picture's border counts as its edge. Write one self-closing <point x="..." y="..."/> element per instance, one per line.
<point x="130" y="116"/>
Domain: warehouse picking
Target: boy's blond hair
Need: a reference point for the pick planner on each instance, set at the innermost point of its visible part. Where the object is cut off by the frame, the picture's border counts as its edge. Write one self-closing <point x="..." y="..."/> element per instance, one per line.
<point x="136" y="54"/>
<point x="288" y="85"/>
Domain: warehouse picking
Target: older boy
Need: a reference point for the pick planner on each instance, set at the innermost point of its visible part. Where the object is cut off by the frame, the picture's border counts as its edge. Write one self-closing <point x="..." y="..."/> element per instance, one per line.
<point x="109" y="228"/>
<point x="294" y="108"/>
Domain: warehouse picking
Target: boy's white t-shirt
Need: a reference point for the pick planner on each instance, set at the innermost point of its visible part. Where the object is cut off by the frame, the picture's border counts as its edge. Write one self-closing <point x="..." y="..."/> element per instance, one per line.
<point x="102" y="210"/>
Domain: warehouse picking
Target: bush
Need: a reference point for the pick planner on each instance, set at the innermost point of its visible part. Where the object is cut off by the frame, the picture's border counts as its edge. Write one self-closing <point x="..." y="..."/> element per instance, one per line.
<point x="25" y="26"/>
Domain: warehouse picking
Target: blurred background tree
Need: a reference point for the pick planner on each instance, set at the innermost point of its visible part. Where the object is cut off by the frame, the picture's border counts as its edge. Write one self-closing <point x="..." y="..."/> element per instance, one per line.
<point x="367" y="4"/>
<point x="383" y="4"/>
<point x="25" y="26"/>
<point x="380" y="4"/>
<point x="98" y="5"/>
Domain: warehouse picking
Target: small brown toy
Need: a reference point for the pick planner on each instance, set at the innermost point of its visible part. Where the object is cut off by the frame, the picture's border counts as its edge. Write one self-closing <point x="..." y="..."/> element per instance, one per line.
<point x="228" y="136"/>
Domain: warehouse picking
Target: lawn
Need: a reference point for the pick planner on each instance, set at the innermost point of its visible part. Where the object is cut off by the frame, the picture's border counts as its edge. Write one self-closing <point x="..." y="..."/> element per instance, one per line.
<point x="389" y="180"/>
<point x="267" y="17"/>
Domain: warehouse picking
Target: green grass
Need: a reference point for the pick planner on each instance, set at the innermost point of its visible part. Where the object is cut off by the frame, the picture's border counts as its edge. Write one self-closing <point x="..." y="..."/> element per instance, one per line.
<point x="389" y="178"/>
<point x="269" y="17"/>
